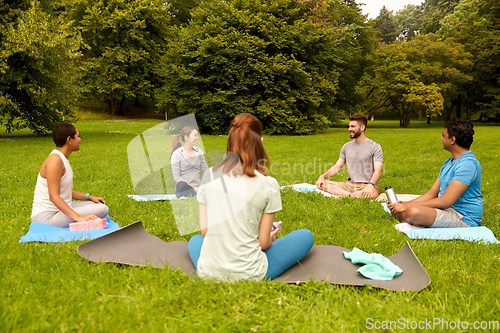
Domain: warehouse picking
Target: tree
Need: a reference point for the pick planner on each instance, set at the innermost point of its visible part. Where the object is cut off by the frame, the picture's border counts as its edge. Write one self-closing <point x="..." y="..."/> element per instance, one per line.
<point x="434" y="12"/>
<point x="408" y="21"/>
<point x="394" y="82"/>
<point x="39" y="79"/>
<point x="357" y="43"/>
<point x="264" y="57"/>
<point x="476" y="25"/>
<point x="384" y="24"/>
<point x="125" y="41"/>
<point x="445" y="63"/>
<point x="180" y="10"/>
<point x="488" y="55"/>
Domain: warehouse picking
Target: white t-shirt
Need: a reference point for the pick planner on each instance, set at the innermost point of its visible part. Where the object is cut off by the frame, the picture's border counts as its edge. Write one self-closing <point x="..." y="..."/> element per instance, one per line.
<point x="231" y="250"/>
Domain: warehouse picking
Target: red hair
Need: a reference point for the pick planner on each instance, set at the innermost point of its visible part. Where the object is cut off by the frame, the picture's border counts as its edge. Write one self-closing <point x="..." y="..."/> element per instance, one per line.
<point x="245" y="142"/>
<point x="186" y="131"/>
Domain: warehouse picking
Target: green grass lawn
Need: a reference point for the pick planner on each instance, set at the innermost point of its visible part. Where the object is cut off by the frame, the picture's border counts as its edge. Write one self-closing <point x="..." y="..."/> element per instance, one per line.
<point x="48" y="287"/>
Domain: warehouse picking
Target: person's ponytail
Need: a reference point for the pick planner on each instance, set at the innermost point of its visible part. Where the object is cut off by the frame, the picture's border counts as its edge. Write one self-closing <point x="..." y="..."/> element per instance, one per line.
<point x="176" y="144"/>
<point x="245" y="142"/>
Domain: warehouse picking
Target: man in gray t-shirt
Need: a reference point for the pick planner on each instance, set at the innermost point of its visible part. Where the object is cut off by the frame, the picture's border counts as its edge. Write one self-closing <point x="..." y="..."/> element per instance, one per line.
<point x="364" y="162"/>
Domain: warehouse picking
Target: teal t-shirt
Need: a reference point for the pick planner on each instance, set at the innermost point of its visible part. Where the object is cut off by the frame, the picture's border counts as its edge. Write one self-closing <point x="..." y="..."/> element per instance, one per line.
<point x="467" y="170"/>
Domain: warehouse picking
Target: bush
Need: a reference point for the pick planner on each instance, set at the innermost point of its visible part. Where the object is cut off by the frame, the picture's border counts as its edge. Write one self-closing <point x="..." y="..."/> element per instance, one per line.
<point x="262" y="57"/>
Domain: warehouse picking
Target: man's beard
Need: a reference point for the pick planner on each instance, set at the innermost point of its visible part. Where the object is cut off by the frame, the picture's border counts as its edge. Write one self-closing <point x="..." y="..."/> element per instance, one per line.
<point x="355" y="134"/>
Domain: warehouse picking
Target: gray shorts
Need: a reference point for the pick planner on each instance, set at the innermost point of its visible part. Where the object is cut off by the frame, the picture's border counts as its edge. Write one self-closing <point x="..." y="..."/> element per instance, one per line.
<point x="449" y="218"/>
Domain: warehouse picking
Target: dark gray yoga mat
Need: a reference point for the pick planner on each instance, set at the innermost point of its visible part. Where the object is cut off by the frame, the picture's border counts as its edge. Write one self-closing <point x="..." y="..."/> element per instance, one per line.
<point x="133" y="245"/>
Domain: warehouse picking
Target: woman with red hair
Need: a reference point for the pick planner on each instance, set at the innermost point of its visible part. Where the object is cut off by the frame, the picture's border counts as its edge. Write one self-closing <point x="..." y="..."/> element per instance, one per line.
<point x="187" y="161"/>
<point x="238" y="201"/>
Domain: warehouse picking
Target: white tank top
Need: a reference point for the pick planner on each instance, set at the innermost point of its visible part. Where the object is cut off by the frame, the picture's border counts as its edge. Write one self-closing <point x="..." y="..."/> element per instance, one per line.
<point x="41" y="200"/>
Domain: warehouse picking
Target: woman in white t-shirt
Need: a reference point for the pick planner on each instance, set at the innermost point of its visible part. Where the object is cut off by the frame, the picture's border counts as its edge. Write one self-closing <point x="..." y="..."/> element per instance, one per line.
<point x="238" y="201"/>
<point x="187" y="161"/>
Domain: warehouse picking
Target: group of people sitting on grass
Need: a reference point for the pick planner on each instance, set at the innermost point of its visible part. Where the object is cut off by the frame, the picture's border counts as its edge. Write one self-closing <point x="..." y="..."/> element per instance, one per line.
<point x="238" y="199"/>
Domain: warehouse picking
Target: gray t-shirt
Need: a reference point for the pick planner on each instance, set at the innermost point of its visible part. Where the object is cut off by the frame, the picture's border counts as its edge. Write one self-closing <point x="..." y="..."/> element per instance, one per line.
<point x="231" y="250"/>
<point x="360" y="158"/>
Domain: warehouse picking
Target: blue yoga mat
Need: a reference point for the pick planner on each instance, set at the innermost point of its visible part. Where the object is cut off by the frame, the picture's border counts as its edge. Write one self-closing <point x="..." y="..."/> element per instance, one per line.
<point x="39" y="232"/>
<point x="152" y="197"/>
<point x="308" y="189"/>
<point x="481" y="234"/>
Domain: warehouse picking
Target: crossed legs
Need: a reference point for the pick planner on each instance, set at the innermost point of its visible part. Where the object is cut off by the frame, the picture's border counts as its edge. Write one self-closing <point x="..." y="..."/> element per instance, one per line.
<point x="59" y="219"/>
<point x="432" y="217"/>
<point x="283" y="254"/>
<point x="418" y="215"/>
<point x="348" y="189"/>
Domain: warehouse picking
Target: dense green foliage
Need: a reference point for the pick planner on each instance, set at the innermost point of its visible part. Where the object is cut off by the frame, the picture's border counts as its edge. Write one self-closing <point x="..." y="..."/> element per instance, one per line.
<point x="261" y="57"/>
<point x="408" y="21"/>
<point x="394" y="81"/>
<point x="434" y="11"/>
<point x="420" y="75"/>
<point x="358" y="42"/>
<point x="125" y="40"/>
<point x="444" y="63"/>
<point x="476" y="25"/>
<point x="38" y="77"/>
<point x="296" y="63"/>
<point x="50" y="288"/>
<point x="385" y="26"/>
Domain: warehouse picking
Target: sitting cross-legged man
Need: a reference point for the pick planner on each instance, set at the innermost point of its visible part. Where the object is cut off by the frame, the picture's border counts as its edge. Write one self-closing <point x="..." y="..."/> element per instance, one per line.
<point x="455" y="199"/>
<point x="53" y="200"/>
<point x="364" y="162"/>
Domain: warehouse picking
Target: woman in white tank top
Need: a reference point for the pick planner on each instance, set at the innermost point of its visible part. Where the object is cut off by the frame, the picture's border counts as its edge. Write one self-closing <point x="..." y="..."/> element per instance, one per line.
<point x="53" y="199"/>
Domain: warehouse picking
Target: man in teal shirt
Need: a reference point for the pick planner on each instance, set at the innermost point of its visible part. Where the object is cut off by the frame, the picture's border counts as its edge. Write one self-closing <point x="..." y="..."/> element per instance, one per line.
<point x="455" y="199"/>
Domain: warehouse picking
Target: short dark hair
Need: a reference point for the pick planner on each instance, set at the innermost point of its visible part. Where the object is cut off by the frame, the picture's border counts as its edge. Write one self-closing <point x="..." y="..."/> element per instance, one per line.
<point x="61" y="132"/>
<point x="462" y="130"/>
<point x="359" y="118"/>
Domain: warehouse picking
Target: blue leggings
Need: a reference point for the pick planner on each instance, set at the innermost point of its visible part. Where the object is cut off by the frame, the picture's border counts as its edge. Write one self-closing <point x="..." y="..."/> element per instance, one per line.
<point x="283" y="254"/>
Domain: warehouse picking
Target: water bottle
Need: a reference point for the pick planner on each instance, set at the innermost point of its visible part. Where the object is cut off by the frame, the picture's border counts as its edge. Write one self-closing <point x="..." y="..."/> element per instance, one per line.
<point x="391" y="195"/>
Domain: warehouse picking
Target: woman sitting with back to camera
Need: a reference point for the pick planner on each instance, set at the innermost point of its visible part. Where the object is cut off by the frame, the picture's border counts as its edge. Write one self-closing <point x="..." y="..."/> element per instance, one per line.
<point x="187" y="160"/>
<point x="238" y="201"/>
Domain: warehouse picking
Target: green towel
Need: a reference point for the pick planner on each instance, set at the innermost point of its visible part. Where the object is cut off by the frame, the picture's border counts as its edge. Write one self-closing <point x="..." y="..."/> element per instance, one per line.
<point x="377" y="267"/>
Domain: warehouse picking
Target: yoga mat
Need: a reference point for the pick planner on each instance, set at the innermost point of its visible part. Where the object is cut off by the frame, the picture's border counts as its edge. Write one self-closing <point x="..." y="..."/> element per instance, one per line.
<point x="44" y="233"/>
<point x="152" y="197"/>
<point x="306" y="187"/>
<point x="327" y="263"/>
<point x="472" y="234"/>
<point x="132" y="245"/>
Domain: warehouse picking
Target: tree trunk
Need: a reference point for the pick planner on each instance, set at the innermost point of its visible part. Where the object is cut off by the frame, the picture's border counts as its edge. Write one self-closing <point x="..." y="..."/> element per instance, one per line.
<point x="120" y="108"/>
<point x="450" y="111"/>
<point x="112" y="103"/>
<point x="459" y="107"/>
<point x="406" y="112"/>
<point x="468" y="107"/>
<point x="407" y="119"/>
<point x="404" y="117"/>
<point x="400" y="117"/>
